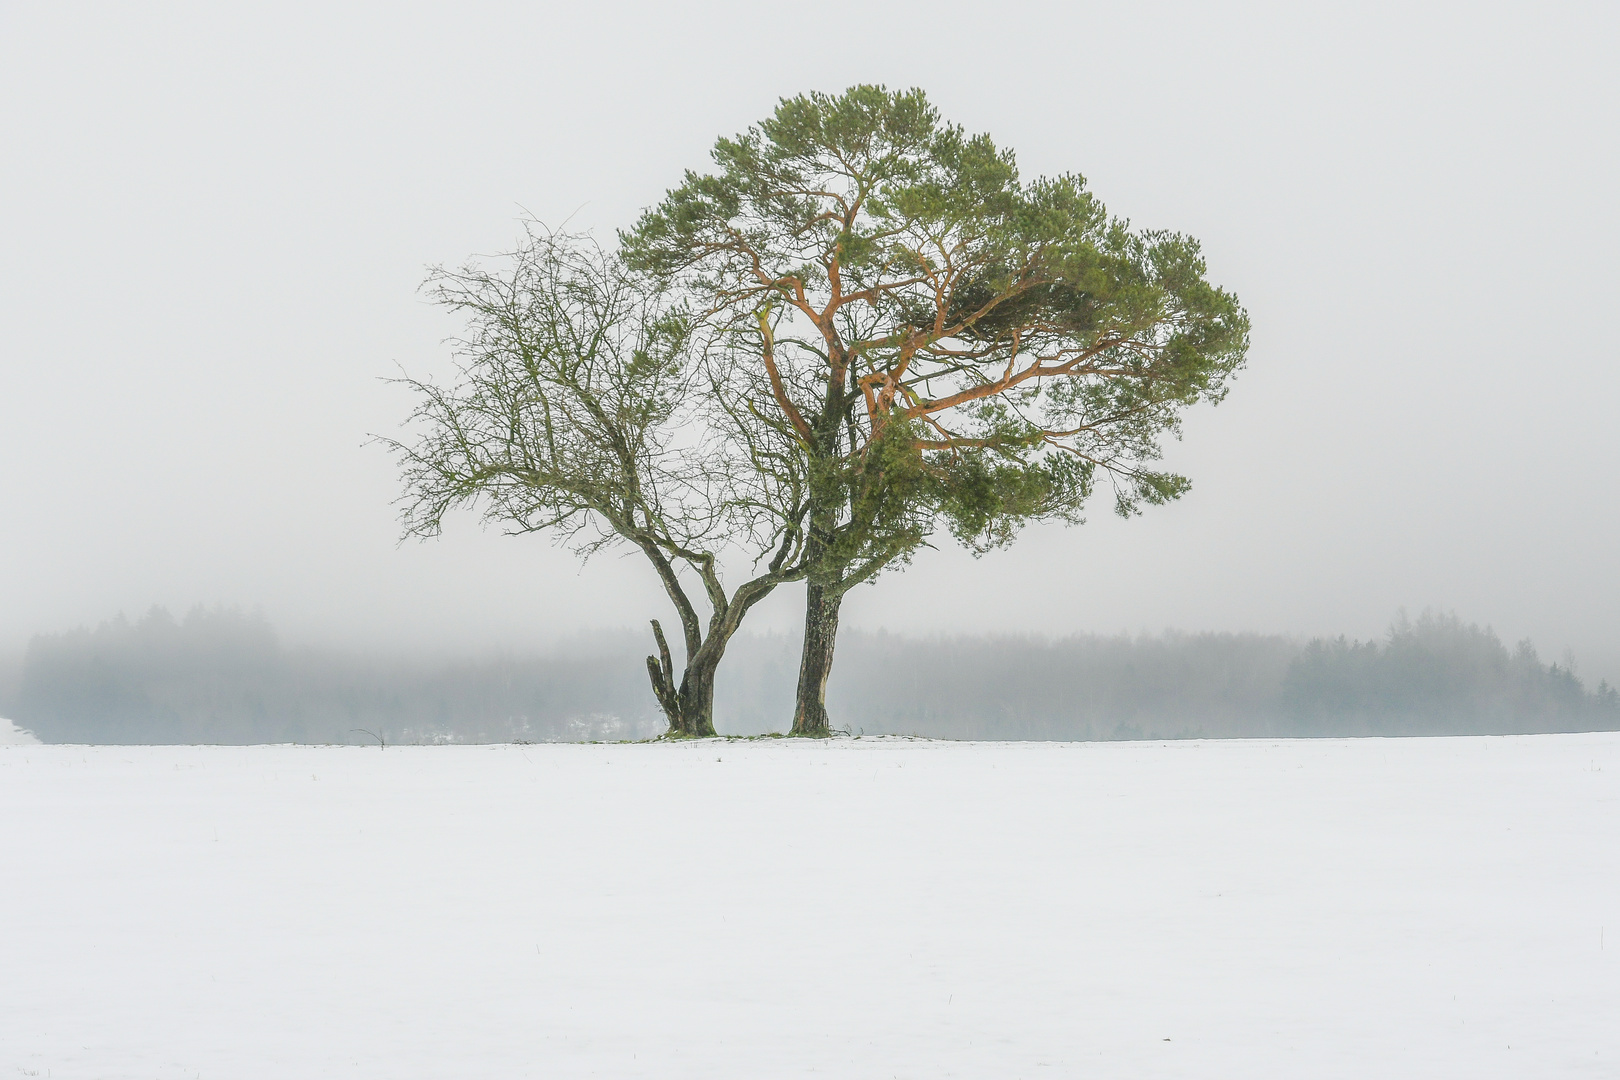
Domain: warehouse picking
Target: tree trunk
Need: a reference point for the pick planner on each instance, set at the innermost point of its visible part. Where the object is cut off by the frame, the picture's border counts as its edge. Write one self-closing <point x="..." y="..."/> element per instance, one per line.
<point x="661" y="670"/>
<point x="689" y="709"/>
<point x="696" y="699"/>
<point x="820" y="635"/>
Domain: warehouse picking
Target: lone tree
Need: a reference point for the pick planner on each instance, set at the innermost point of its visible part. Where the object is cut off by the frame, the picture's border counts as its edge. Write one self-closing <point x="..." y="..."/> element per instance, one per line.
<point x="947" y="345"/>
<point x="585" y="408"/>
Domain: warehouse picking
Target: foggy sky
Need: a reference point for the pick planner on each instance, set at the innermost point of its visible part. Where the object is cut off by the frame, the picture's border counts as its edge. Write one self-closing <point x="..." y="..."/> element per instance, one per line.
<point x="213" y="221"/>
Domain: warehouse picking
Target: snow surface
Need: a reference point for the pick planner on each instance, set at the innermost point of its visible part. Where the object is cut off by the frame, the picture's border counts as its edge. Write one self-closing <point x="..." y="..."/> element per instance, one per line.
<point x="852" y="908"/>
<point x="12" y="735"/>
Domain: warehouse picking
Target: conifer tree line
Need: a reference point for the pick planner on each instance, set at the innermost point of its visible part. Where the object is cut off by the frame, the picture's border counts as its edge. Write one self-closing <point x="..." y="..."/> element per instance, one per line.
<point x="859" y="330"/>
<point x="220" y="676"/>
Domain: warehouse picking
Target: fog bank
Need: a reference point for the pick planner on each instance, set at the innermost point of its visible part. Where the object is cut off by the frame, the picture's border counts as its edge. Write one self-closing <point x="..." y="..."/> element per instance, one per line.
<point x="222" y="676"/>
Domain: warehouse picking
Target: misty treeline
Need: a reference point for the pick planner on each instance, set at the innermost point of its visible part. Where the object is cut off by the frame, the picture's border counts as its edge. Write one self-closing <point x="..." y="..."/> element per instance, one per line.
<point x="222" y="676"/>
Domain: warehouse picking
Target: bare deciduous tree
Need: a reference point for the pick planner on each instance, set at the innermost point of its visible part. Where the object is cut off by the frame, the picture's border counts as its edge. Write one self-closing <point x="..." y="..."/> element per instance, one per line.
<point x="586" y="407"/>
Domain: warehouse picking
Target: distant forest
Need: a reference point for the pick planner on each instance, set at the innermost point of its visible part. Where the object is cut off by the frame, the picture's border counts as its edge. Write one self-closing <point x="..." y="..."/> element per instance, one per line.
<point x="222" y="676"/>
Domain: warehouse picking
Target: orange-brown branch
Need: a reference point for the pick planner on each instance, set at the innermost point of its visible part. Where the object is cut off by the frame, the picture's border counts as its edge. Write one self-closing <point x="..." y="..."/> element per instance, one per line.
<point x="1007" y="382"/>
<point x="777" y="389"/>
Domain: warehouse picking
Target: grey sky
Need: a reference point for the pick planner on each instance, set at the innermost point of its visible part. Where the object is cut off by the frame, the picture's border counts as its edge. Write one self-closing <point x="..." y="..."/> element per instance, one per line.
<point x="213" y="220"/>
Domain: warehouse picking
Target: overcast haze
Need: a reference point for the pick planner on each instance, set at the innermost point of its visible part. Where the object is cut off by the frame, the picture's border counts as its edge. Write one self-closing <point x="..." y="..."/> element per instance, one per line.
<point x="215" y="220"/>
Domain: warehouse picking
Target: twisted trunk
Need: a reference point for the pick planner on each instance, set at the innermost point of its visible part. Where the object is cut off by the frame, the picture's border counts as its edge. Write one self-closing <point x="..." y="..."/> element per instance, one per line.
<point x="689" y="705"/>
<point x="696" y="699"/>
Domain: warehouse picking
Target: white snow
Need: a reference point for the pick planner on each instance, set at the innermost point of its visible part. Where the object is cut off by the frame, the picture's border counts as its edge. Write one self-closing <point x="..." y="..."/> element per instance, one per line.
<point x="12" y="735"/>
<point x="854" y="908"/>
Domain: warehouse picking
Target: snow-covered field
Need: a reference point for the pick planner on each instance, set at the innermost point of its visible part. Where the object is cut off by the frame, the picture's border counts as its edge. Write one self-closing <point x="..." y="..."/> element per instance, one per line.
<point x="12" y="735"/>
<point x="853" y="908"/>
